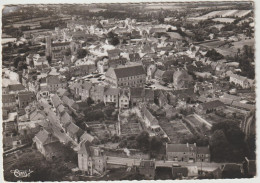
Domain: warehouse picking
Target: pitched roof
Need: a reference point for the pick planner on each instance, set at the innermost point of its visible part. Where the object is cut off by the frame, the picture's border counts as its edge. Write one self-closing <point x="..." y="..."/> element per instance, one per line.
<point x="84" y="148"/>
<point x="241" y="78"/>
<point x="87" y="136"/>
<point x="180" y="148"/>
<point x="60" y="44"/>
<point x="7" y="98"/>
<point x="56" y="100"/>
<point x="62" y="91"/>
<point x="45" y="137"/>
<point x="111" y="91"/>
<point x="53" y="80"/>
<point x="26" y="96"/>
<point x="150" y="117"/>
<point x="129" y="71"/>
<point x="212" y="104"/>
<point x="16" y="87"/>
<point x="136" y="92"/>
<point x="74" y="129"/>
<point x="66" y="119"/>
<point x="203" y="150"/>
<point x="69" y="102"/>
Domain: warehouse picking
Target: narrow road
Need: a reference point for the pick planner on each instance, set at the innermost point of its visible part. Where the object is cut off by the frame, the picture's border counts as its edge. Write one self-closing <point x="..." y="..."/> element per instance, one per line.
<point x="55" y="124"/>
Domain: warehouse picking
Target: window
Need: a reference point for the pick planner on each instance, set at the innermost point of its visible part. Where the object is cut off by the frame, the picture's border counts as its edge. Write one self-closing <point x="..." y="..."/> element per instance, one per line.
<point x="121" y="100"/>
<point x="125" y="100"/>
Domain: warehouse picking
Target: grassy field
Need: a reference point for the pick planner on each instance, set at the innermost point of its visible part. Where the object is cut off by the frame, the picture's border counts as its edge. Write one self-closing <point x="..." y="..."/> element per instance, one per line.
<point x="228" y="49"/>
<point x="223" y="13"/>
<point x="224" y="20"/>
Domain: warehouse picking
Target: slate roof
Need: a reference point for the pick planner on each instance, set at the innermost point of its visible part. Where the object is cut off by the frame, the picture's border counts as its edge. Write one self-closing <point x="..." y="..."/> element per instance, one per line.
<point x="87" y="136"/>
<point x="26" y="96"/>
<point x="129" y="71"/>
<point x="56" y="100"/>
<point x="150" y="117"/>
<point x="180" y="148"/>
<point x="16" y="87"/>
<point x="85" y="148"/>
<point x="60" y="44"/>
<point x="136" y="92"/>
<point x="212" y="105"/>
<point x="111" y="91"/>
<point x="69" y="102"/>
<point x="45" y="137"/>
<point x="74" y="129"/>
<point x="66" y="119"/>
<point x="62" y="91"/>
<point x="7" y="98"/>
<point x="203" y="150"/>
<point x="53" y="80"/>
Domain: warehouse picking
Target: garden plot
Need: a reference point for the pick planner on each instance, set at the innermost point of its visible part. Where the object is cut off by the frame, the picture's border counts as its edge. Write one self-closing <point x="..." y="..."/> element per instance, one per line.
<point x="175" y="130"/>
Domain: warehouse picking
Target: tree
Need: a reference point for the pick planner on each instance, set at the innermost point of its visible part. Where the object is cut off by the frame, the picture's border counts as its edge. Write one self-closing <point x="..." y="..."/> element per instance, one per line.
<point x="156" y="144"/>
<point x="214" y="55"/>
<point x="143" y="141"/>
<point x="67" y="52"/>
<point x="16" y="61"/>
<point x="49" y="59"/>
<point x="219" y="146"/>
<point x="81" y="53"/>
<point x="90" y="101"/>
<point x="113" y="38"/>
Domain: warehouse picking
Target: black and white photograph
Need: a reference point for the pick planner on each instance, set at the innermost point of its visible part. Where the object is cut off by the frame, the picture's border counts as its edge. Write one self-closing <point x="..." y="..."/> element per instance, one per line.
<point x="119" y="91"/>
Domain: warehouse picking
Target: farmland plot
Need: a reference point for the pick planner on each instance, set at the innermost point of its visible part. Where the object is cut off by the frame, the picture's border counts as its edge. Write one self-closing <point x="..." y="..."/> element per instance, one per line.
<point x="223" y="13"/>
<point x="224" y="20"/>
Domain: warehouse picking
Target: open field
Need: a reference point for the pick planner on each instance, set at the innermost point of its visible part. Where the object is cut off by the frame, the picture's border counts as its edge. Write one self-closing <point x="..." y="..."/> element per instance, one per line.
<point x="224" y="20"/>
<point x="223" y="13"/>
<point x="228" y="49"/>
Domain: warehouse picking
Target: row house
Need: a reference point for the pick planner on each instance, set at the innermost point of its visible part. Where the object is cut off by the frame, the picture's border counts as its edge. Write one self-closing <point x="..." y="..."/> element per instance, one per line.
<point x="111" y="96"/>
<point x="48" y="145"/>
<point x="24" y="98"/>
<point x="138" y="95"/>
<point x="187" y="153"/>
<point x="151" y="122"/>
<point x="13" y="89"/>
<point x="9" y="102"/>
<point x="81" y="89"/>
<point x="54" y="83"/>
<point x="124" y="99"/>
<point x="82" y="70"/>
<point x="128" y="76"/>
<point x="208" y="107"/>
<point x="74" y="132"/>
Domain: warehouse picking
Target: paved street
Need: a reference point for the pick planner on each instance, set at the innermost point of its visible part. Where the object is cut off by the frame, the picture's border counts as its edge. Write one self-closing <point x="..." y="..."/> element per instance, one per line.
<point x="55" y="123"/>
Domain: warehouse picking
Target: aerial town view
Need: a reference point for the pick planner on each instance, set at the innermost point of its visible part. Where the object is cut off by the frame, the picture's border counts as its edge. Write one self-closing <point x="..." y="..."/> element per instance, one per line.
<point x="128" y="91"/>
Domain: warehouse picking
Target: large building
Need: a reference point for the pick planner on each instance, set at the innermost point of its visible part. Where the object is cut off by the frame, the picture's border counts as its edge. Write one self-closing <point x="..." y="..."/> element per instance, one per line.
<point x="127" y="76"/>
<point x="91" y="159"/>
